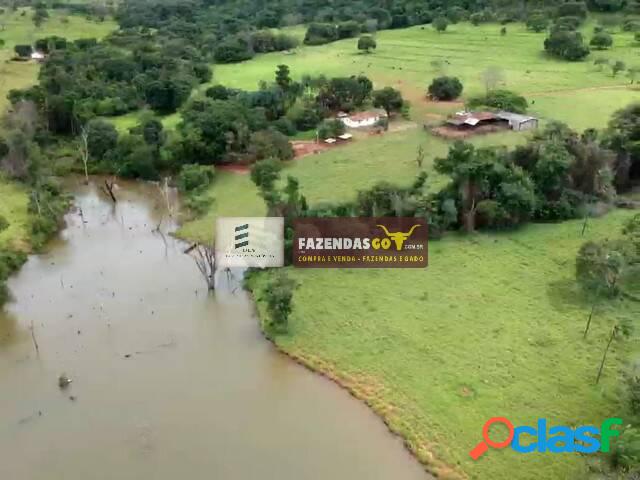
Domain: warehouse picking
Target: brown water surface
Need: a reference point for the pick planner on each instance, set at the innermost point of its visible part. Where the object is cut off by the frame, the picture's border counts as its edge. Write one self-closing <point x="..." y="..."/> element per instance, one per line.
<point x="168" y="382"/>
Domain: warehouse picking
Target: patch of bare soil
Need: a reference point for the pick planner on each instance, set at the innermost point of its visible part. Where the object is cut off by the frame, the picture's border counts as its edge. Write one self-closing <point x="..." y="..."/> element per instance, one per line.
<point x="302" y="148"/>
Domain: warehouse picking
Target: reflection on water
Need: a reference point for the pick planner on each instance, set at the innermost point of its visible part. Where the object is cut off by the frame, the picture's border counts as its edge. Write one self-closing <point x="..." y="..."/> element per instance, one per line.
<point x="168" y="381"/>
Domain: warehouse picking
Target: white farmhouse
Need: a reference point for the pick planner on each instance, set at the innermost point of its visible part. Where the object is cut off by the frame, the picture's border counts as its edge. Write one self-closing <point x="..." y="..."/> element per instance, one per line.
<point x="362" y="119"/>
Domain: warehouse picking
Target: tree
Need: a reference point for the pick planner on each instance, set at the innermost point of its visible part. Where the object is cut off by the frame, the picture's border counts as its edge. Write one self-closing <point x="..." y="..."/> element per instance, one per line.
<point x="388" y="98"/>
<point x="601" y="41"/>
<point x="23" y="51"/>
<point x="279" y="302"/>
<point x="264" y="174"/>
<point x="366" y="43"/>
<point x="440" y="24"/>
<point x="102" y="138"/>
<point x="500" y="100"/>
<point x="617" y="67"/>
<point x="599" y="266"/>
<point x="623" y="137"/>
<point x="566" y="44"/>
<point x="492" y="77"/>
<point x="270" y="144"/>
<point x="538" y="22"/>
<point x="283" y="78"/>
<point x="40" y="15"/>
<point x="621" y="329"/>
<point x="331" y="128"/>
<point x="4" y="147"/>
<point x="445" y="88"/>
<point x="420" y="156"/>
<point x="153" y="134"/>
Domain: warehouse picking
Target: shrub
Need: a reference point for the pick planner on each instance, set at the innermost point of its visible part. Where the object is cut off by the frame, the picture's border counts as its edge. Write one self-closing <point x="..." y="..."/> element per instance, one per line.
<point x="279" y="296"/>
<point x="626" y="451"/>
<point x="601" y="41"/>
<point x="568" y="45"/>
<point x="331" y="128"/>
<point x="285" y="126"/>
<point x="270" y="144"/>
<point x="445" y="88"/>
<point x="538" y="22"/>
<point x="194" y="177"/>
<point x="501" y="100"/>
<point x="440" y="24"/>
<point x="366" y="43"/>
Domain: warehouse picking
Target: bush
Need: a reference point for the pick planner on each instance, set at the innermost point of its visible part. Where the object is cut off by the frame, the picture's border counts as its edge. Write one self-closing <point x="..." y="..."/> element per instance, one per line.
<point x="568" y="45"/>
<point x="285" y="126"/>
<point x="440" y="24"/>
<point x="194" y="177"/>
<point x="626" y="451"/>
<point x="501" y="100"/>
<point x="279" y="296"/>
<point x="320" y="33"/>
<point x="270" y="144"/>
<point x="601" y="41"/>
<point x="331" y="129"/>
<point x="366" y="43"/>
<point x="445" y="88"/>
<point x="538" y="22"/>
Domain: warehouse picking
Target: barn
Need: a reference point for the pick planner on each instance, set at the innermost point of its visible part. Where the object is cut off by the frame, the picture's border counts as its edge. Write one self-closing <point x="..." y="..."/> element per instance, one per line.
<point x="518" y="122"/>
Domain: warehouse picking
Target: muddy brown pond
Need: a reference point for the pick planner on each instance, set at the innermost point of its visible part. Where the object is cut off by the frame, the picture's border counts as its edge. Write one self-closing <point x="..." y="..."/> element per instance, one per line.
<point x="168" y="381"/>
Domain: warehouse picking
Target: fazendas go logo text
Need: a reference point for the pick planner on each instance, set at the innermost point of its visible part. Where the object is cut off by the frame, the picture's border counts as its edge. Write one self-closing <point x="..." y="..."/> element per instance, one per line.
<point x="556" y="439"/>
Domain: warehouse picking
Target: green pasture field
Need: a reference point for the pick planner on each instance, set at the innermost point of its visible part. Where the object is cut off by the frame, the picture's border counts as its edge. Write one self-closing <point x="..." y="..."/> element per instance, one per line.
<point x="493" y="327"/>
<point x="19" y="29"/>
<point x="410" y="58"/>
<point x="13" y="208"/>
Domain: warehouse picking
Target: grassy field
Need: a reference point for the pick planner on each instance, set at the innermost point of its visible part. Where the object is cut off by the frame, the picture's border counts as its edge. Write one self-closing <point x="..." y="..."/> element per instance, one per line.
<point x="338" y="173"/>
<point x="405" y="59"/>
<point x="493" y="327"/>
<point x="13" y="208"/>
<point x="21" y="30"/>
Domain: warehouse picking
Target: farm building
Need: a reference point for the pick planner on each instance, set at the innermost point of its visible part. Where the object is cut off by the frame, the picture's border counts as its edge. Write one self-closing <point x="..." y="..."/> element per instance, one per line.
<point x="464" y="124"/>
<point x="362" y="119"/>
<point x="519" y="122"/>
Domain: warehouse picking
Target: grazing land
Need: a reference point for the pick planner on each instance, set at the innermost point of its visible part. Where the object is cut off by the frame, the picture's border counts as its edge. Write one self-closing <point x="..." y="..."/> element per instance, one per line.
<point x="19" y="29"/>
<point x="13" y="208"/>
<point x="409" y="59"/>
<point x="493" y="327"/>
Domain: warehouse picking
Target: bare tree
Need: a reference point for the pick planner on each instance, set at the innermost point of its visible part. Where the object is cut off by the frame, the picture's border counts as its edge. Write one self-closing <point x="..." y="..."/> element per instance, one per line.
<point x="420" y="156"/>
<point x="84" y="151"/>
<point x="205" y="259"/>
<point x="492" y="77"/>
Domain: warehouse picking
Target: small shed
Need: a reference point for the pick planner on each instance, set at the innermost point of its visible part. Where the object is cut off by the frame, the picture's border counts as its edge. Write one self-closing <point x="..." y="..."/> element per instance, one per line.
<point x="518" y="122"/>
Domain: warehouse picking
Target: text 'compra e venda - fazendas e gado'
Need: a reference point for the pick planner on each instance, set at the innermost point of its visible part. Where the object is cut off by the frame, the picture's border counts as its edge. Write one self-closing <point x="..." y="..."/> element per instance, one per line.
<point x="359" y="258"/>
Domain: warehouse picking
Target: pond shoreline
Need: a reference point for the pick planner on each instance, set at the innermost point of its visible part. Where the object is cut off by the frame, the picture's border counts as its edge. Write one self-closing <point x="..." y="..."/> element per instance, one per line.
<point x="415" y="446"/>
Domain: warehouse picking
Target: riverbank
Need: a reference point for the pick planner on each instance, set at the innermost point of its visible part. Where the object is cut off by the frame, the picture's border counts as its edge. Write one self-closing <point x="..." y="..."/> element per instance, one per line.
<point x="166" y="377"/>
<point x="435" y="353"/>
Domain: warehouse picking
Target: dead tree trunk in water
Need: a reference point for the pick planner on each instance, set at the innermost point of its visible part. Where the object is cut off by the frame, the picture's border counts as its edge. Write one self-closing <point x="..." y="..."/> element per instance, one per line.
<point x="205" y="259"/>
<point x="109" y="189"/>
